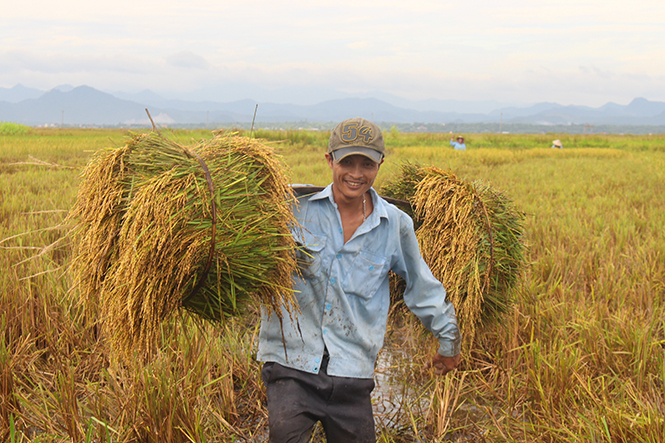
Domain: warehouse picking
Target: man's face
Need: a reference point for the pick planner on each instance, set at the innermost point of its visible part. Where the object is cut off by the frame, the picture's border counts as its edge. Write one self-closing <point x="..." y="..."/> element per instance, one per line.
<point x="460" y="140"/>
<point x="352" y="176"/>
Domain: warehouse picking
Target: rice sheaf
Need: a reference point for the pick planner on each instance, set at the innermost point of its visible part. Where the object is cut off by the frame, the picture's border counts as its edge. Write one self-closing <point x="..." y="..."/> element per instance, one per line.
<point x="472" y="238"/>
<point x="161" y="226"/>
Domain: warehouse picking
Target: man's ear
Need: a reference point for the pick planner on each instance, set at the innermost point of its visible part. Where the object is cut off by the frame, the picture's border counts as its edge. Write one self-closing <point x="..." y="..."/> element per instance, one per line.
<point x="330" y="160"/>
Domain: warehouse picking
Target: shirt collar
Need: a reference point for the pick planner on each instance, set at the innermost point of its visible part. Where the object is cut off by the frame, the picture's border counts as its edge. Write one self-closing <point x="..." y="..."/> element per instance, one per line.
<point x="379" y="204"/>
<point x="325" y="193"/>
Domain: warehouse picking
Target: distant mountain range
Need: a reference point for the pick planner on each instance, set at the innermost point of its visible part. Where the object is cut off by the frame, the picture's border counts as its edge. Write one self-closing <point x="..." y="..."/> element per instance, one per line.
<point x="86" y="106"/>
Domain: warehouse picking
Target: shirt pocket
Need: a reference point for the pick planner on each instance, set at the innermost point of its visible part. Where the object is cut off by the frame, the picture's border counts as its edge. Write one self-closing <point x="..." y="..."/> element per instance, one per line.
<point x="308" y="254"/>
<point x="366" y="274"/>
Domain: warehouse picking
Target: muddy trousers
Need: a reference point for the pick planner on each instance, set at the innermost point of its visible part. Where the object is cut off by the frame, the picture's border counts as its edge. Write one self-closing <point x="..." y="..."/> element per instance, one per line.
<point x="297" y="400"/>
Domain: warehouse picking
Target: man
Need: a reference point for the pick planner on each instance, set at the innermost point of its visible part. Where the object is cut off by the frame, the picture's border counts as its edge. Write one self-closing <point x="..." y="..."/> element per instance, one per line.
<point x="320" y="360"/>
<point x="459" y="144"/>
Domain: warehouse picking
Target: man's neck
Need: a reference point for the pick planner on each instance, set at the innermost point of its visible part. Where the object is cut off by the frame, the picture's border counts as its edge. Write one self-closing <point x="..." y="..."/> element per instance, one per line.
<point x="352" y="211"/>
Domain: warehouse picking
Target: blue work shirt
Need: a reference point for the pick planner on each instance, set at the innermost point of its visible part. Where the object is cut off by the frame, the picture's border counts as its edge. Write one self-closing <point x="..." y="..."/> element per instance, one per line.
<point x="458" y="146"/>
<point x="343" y="292"/>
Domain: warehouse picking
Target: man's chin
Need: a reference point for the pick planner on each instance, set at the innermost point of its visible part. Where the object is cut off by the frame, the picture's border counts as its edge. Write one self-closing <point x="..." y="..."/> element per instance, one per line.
<point x="352" y="193"/>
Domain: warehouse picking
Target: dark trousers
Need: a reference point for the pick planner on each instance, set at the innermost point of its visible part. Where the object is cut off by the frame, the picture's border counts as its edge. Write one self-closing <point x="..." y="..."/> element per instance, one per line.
<point x="297" y="400"/>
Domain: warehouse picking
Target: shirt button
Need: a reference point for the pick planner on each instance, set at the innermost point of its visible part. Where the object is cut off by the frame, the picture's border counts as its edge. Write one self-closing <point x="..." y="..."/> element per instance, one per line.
<point x="371" y="268"/>
<point x="316" y="369"/>
<point x="328" y="306"/>
<point x="325" y="331"/>
<point x="341" y="231"/>
<point x="332" y="281"/>
<point x="339" y="255"/>
<point x="318" y="360"/>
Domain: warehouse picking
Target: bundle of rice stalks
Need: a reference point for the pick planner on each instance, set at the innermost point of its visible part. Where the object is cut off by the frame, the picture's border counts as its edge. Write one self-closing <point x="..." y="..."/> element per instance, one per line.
<point x="472" y="238"/>
<point x="160" y="226"/>
<point x="404" y="188"/>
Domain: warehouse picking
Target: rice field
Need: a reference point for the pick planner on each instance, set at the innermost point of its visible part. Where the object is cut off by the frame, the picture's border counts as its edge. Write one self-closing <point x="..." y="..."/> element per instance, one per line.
<point x="580" y="356"/>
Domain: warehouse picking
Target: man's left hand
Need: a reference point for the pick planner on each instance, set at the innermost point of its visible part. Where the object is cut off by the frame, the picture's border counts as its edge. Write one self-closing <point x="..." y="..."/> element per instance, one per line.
<point x="443" y="365"/>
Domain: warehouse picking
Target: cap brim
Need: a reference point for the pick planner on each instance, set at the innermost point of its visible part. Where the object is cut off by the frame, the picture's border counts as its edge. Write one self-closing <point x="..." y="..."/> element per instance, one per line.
<point x="373" y="155"/>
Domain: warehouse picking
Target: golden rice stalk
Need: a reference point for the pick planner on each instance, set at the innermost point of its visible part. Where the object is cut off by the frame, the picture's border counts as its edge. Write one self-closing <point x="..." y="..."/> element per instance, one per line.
<point x="99" y="209"/>
<point x="148" y="243"/>
<point x="472" y="238"/>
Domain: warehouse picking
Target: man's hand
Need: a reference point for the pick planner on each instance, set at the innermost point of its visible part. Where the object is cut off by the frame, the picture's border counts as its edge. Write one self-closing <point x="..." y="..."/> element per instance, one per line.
<point x="443" y="365"/>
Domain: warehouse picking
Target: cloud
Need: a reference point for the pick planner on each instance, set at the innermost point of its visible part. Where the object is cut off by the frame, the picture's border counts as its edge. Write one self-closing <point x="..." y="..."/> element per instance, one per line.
<point x="55" y="63"/>
<point x="187" y="59"/>
<point x="601" y="73"/>
<point x="358" y="45"/>
<point x="481" y="49"/>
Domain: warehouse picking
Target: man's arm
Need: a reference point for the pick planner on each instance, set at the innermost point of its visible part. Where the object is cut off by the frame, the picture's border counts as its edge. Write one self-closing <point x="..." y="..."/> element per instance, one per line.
<point x="426" y="298"/>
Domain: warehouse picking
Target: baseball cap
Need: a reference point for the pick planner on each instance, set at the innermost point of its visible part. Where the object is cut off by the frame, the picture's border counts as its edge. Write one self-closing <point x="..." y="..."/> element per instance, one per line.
<point x="356" y="136"/>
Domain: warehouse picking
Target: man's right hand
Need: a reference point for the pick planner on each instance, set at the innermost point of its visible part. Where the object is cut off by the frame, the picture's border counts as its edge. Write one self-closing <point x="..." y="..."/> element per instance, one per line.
<point x="443" y="365"/>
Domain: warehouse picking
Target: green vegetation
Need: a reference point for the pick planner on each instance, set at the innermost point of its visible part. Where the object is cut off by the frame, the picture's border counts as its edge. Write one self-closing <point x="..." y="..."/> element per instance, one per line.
<point x="529" y="128"/>
<point x="580" y="358"/>
<point x="7" y="128"/>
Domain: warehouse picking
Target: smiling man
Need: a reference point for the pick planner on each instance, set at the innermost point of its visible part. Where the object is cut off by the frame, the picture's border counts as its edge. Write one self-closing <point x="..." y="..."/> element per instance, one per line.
<point x="320" y="360"/>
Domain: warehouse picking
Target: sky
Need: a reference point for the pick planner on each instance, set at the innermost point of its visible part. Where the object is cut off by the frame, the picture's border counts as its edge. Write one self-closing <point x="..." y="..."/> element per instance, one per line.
<point x="582" y="52"/>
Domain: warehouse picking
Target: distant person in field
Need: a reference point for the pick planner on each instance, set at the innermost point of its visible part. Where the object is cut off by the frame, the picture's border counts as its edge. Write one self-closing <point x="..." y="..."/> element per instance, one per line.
<point x="557" y="144"/>
<point x="319" y="361"/>
<point x="458" y="144"/>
